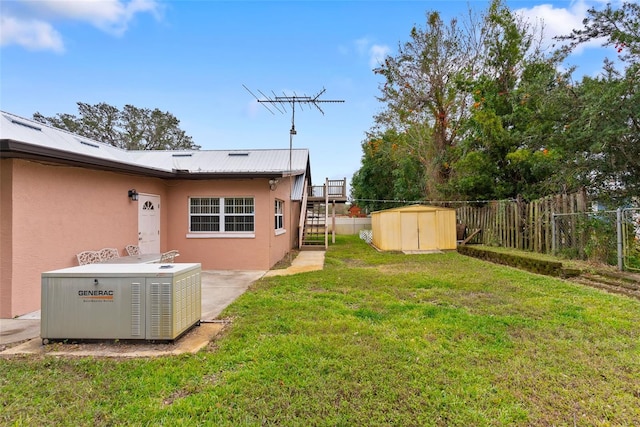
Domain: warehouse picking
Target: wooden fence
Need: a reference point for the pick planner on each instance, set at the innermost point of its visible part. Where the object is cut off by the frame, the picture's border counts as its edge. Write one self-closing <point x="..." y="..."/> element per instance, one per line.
<point x="518" y="224"/>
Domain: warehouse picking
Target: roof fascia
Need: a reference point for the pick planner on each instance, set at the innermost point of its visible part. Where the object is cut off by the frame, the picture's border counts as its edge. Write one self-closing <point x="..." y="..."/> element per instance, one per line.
<point x="19" y="150"/>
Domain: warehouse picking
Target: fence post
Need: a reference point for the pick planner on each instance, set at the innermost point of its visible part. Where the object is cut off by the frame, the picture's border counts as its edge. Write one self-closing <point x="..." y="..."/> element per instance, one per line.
<point x="619" y="233"/>
<point x="553" y="233"/>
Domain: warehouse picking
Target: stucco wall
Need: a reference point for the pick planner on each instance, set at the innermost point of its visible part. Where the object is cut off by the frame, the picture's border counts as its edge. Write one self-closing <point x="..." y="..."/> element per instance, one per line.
<point x="59" y="211"/>
<point x="49" y="213"/>
<point x="6" y="256"/>
<point x="223" y="253"/>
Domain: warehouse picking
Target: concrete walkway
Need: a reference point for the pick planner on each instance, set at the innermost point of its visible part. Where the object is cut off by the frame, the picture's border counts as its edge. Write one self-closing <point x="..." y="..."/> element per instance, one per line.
<point x="304" y="262"/>
<point x="219" y="289"/>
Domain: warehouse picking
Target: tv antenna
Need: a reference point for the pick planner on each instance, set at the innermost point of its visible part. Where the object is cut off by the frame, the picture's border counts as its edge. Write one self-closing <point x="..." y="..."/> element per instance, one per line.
<point x="279" y="103"/>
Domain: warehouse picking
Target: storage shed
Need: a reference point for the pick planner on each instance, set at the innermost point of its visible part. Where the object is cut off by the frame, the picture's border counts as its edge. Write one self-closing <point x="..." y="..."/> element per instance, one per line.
<point x="414" y="228"/>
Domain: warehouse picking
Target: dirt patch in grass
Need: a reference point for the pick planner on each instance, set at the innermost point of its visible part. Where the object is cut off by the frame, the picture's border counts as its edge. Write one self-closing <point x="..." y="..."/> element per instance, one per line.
<point x="285" y="262"/>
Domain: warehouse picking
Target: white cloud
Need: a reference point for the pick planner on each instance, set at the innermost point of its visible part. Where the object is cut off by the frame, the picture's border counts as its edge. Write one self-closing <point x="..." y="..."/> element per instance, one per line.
<point x="112" y="16"/>
<point x="31" y="24"/>
<point x="364" y="47"/>
<point x="559" y="21"/>
<point x="377" y="53"/>
<point x="30" y="34"/>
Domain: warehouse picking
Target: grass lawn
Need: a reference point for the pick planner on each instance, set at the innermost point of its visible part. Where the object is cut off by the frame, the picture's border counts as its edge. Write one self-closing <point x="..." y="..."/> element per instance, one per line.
<point x="374" y="339"/>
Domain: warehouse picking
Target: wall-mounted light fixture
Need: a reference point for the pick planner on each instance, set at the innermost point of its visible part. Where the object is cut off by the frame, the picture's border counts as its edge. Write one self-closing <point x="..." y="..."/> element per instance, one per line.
<point x="273" y="183"/>
<point x="133" y="195"/>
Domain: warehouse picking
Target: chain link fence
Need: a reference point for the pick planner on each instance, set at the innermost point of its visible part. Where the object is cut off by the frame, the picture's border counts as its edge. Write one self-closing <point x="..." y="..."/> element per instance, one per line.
<point x="610" y="237"/>
<point x="631" y="238"/>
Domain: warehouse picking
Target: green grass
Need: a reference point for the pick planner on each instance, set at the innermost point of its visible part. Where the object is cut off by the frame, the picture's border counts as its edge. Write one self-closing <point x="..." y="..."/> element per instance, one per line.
<point x="374" y="339"/>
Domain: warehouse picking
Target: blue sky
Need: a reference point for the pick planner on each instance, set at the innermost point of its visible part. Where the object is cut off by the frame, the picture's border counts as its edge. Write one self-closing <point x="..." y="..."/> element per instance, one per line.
<point x="192" y="58"/>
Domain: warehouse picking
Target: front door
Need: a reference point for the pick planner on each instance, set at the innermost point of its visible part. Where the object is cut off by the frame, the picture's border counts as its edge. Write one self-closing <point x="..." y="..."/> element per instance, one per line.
<point x="149" y="223"/>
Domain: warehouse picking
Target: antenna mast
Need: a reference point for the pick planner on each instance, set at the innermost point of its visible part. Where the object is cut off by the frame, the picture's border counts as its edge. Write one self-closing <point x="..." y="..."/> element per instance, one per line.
<point x="279" y="103"/>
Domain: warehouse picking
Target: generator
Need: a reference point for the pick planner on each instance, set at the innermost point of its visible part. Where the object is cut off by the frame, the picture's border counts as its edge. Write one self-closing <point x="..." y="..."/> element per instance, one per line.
<point x="120" y="301"/>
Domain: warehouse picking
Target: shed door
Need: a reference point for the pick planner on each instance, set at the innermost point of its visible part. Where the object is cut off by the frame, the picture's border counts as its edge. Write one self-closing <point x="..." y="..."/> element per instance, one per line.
<point x="418" y="231"/>
<point x="410" y="231"/>
<point x="149" y="223"/>
<point x="427" y="231"/>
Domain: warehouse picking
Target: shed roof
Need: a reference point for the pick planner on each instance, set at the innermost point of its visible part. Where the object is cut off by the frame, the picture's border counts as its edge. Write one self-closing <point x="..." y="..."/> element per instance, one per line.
<point x="415" y="208"/>
<point x="25" y="138"/>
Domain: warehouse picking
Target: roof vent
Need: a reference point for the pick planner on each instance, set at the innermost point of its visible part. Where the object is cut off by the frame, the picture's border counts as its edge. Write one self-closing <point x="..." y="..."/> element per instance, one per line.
<point x="238" y="154"/>
<point x="182" y="154"/>
<point x="88" y="144"/>
<point x="27" y="125"/>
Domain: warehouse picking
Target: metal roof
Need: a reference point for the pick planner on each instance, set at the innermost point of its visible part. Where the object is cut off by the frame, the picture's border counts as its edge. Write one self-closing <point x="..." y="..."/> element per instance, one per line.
<point x="26" y="138"/>
<point x="225" y="161"/>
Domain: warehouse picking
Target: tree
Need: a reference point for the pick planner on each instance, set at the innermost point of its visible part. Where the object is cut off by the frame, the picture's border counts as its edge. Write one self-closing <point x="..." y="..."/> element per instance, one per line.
<point x="421" y="94"/>
<point x="487" y="115"/>
<point x="457" y="92"/>
<point x="606" y="128"/>
<point x="386" y="173"/>
<point x="132" y="128"/>
<point x="619" y="28"/>
<point x="507" y="150"/>
<point x="605" y="134"/>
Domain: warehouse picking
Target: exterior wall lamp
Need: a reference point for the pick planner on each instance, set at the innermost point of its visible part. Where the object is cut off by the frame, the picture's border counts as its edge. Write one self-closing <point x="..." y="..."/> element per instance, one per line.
<point x="273" y="183"/>
<point x="133" y="195"/>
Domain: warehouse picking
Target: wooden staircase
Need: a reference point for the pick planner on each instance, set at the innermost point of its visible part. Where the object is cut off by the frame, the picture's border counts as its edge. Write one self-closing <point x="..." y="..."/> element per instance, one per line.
<point x="315" y="227"/>
<point x="314" y="218"/>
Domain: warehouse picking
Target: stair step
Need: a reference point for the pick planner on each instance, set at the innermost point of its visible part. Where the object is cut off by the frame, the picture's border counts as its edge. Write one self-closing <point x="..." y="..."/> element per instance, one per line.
<point x="315" y="226"/>
<point x="312" y="248"/>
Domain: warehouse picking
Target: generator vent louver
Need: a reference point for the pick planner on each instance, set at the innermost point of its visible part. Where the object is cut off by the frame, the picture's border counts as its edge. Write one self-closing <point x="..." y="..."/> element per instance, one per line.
<point x="136" y="310"/>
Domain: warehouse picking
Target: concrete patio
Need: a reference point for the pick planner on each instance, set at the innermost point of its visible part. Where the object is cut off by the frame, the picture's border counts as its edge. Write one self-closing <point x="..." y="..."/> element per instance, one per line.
<point x="219" y="289"/>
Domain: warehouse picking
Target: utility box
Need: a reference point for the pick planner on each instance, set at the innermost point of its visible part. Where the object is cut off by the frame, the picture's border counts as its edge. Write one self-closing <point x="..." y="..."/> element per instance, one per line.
<point x="121" y="301"/>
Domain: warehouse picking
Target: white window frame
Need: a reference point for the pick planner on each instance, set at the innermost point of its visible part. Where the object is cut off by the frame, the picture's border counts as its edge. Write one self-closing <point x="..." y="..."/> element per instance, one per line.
<point x="225" y="209"/>
<point x="279" y="217"/>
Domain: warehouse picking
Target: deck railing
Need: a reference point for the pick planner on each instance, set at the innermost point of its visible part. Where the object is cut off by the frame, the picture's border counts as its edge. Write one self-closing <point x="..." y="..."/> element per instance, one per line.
<point x="333" y="188"/>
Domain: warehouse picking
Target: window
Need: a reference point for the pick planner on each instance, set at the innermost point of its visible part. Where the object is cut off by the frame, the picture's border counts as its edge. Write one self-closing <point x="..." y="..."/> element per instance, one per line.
<point x="221" y="214"/>
<point x="279" y="214"/>
<point x="204" y="214"/>
<point x="238" y="214"/>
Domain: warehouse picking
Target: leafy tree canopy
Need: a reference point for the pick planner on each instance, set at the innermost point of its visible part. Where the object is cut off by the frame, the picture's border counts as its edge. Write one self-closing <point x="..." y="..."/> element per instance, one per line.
<point x="604" y="130"/>
<point x="131" y="128"/>
<point x="478" y="111"/>
<point x="619" y="28"/>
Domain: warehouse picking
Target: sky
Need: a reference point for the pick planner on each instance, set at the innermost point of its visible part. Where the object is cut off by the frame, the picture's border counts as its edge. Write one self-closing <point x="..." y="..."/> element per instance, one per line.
<point x="204" y="60"/>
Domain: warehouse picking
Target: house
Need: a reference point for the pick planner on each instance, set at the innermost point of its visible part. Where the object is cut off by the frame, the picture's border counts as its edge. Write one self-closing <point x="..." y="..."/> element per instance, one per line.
<point x="355" y="211"/>
<point x="61" y="194"/>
